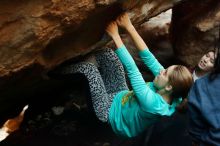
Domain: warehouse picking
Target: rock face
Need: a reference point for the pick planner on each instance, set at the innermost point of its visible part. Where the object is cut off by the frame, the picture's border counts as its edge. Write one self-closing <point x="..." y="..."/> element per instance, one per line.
<point x="155" y="33"/>
<point x="36" y="36"/>
<point x="48" y="32"/>
<point x="195" y="29"/>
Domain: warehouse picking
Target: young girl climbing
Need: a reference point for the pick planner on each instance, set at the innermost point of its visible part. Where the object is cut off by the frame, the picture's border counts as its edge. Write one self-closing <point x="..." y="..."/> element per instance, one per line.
<point x="131" y="112"/>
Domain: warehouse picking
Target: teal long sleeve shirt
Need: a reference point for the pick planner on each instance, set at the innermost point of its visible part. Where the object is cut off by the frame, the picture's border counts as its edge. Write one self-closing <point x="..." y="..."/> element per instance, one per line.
<point x="131" y="115"/>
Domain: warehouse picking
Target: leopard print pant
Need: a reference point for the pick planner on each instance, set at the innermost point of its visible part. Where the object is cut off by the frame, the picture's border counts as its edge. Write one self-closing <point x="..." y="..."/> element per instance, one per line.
<point x="104" y="83"/>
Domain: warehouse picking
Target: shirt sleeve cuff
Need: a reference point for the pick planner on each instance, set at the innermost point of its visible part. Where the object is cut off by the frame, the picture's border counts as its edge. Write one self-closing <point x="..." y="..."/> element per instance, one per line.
<point x="144" y="52"/>
<point x="120" y="49"/>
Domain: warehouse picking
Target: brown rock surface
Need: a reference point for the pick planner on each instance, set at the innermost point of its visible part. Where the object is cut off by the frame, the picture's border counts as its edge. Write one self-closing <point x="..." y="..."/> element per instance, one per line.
<point x="36" y="36"/>
<point x="194" y="29"/>
<point x="47" y="32"/>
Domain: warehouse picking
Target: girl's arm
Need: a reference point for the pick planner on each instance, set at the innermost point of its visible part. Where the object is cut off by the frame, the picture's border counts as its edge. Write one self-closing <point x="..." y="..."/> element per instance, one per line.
<point x="151" y="62"/>
<point x="148" y="58"/>
<point x="125" y="22"/>
<point x="145" y="96"/>
<point x="143" y="93"/>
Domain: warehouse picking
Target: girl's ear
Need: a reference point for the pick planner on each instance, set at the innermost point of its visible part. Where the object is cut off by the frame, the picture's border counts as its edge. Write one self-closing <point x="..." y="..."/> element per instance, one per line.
<point x="168" y="87"/>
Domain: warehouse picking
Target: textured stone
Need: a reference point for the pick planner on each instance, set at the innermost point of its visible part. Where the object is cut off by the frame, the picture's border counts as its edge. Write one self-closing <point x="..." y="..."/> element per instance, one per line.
<point x="37" y="36"/>
<point x="194" y="31"/>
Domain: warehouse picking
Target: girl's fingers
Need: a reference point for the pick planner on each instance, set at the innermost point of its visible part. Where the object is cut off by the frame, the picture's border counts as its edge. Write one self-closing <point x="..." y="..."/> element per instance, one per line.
<point x="111" y="27"/>
<point x="121" y="18"/>
<point x="111" y="24"/>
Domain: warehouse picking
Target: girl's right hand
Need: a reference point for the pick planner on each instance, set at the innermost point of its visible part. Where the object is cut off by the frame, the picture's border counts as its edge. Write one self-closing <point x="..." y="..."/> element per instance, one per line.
<point x="112" y="29"/>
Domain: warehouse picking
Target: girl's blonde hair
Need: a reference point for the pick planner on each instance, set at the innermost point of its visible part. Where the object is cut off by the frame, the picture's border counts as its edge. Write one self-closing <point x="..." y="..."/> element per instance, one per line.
<point x="181" y="80"/>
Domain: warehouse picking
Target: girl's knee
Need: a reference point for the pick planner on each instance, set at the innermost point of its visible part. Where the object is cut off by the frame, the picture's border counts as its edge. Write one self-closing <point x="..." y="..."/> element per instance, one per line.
<point x="107" y="54"/>
<point x="109" y="50"/>
<point x="81" y="67"/>
<point x="85" y="65"/>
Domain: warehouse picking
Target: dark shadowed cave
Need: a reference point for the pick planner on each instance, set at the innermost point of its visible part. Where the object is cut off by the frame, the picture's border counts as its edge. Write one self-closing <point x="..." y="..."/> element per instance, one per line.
<point x="46" y="34"/>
